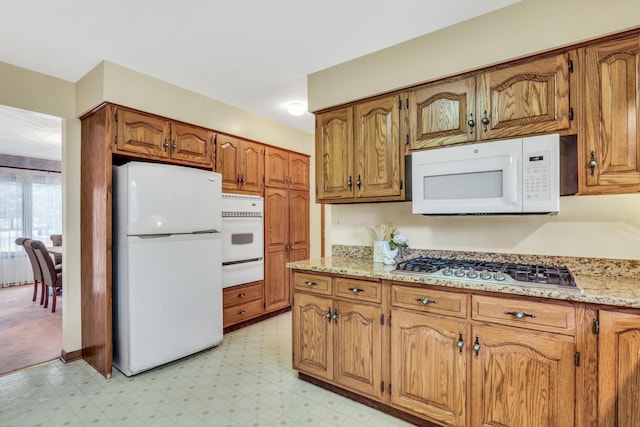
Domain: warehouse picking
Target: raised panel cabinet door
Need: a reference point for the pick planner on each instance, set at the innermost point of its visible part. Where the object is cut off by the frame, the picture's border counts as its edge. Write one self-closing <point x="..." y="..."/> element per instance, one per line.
<point x="334" y="155"/>
<point x="521" y="379"/>
<point x="358" y="347"/>
<point x="313" y="335"/>
<point x="276" y="167"/>
<point x="142" y="134"/>
<point x="612" y="117"/>
<point x="428" y="368"/>
<point x="298" y="220"/>
<point x="378" y="169"/>
<point x="618" y="369"/>
<point x="443" y="114"/>
<point x="276" y="283"/>
<point x="192" y="144"/>
<point x="524" y="99"/>
<point x="298" y="171"/>
<point x="228" y="161"/>
<point x="276" y="219"/>
<point x="252" y="167"/>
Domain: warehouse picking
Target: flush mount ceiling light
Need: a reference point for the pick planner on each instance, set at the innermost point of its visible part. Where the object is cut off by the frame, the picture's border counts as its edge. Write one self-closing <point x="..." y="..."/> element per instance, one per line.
<point x="296" y="108"/>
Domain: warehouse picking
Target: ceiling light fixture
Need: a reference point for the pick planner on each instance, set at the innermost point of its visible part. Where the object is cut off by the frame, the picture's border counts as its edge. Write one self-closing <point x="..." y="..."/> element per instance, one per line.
<point x="296" y="108"/>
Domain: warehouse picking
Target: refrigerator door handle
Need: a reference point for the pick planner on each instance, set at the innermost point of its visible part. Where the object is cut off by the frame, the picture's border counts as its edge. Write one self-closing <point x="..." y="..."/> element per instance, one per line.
<point x="212" y="231"/>
<point x="151" y="236"/>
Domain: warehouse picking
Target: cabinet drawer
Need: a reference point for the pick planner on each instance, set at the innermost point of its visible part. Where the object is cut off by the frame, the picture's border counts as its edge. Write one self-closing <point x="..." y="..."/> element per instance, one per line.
<point x="358" y="289"/>
<point x="241" y="294"/>
<point x="427" y="299"/>
<point x="315" y="283"/>
<point x="524" y="314"/>
<point x="239" y="313"/>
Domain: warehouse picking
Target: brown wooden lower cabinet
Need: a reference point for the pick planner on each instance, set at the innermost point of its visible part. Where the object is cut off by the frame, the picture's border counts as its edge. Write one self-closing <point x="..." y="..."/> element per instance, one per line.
<point x="448" y="357"/>
<point x="242" y="302"/>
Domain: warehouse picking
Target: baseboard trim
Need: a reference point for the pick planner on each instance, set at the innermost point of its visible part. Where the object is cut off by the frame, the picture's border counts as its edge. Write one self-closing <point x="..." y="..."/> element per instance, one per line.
<point x="369" y="402"/>
<point x="256" y="319"/>
<point x="66" y="357"/>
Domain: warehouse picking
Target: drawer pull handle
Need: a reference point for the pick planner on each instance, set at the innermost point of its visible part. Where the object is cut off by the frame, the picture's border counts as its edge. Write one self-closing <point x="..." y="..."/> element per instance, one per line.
<point x="520" y="314"/>
<point x="356" y="290"/>
<point x="308" y="283"/>
<point x="426" y="301"/>
<point x="241" y="312"/>
<point x="241" y="295"/>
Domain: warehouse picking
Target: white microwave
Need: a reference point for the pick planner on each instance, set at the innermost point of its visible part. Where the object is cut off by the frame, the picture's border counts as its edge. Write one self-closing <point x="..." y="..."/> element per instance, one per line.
<point x="514" y="176"/>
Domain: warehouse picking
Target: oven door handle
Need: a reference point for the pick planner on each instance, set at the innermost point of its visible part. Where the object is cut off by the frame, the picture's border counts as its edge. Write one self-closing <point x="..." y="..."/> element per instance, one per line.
<point x="242" y="261"/>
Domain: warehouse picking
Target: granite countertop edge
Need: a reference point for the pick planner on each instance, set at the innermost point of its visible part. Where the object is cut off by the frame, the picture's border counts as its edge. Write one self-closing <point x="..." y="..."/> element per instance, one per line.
<point x="613" y="291"/>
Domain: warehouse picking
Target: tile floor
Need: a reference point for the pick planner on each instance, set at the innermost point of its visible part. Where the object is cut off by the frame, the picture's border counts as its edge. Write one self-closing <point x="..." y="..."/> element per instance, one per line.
<point x="246" y="381"/>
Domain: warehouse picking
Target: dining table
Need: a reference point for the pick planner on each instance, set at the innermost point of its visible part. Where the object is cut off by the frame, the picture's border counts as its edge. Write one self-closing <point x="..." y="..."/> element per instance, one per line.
<point x="56" y="253"/>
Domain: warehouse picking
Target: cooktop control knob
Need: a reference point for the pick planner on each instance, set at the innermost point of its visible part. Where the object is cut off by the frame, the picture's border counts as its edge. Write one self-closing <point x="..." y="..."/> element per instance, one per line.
<point x="472" y="274"/>
<point x="485" y="275"/>
<point x="459" y="272"/>
<point x="447" y="271"/>
<point x="499" y="276"/>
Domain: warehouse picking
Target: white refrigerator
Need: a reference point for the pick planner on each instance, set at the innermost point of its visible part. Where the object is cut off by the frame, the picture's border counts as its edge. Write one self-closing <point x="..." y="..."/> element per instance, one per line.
<point x="167" y="264"/>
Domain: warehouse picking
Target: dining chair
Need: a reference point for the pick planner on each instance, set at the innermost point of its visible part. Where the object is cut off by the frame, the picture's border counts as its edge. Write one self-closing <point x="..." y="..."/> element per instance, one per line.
<point x="25" y="242"/>
<point x="56" y="240"/>
<point x="52" y="278"/>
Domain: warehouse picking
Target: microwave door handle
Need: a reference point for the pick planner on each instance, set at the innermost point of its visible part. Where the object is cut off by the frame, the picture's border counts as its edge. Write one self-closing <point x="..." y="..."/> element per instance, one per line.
<point x="514" y="160"/>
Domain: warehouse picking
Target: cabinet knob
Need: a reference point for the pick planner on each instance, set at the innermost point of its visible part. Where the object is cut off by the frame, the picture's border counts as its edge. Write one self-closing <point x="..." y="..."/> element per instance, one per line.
<point x="329" y="316"/>
<point x="241" y="295"/>
<point x="476" y="345"/>
<point x="520" y="314"/>
<point x="309" y="283"/>
<point x="593" y="163"/>
<point x="426" y="301"/>
<point x="358" y="182"/>
<point x="485" y="121"/>
<point x="471" y="123"/>
<point x="165" y="145"/>
<point x="174" y="146"/>
<point x="241" y="312"/>
<point x="335" y="315"/>
<point x="460" y="342"/>
<point x="356" y="290"/>
<point x="350" y="183"/>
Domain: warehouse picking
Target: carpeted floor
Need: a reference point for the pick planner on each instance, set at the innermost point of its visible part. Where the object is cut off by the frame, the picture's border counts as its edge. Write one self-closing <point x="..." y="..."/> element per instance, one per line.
<point x="29" y="333"/>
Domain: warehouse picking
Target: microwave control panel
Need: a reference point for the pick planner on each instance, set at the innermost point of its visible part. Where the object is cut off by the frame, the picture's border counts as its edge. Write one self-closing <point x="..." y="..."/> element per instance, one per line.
<point x="536" y="179"/>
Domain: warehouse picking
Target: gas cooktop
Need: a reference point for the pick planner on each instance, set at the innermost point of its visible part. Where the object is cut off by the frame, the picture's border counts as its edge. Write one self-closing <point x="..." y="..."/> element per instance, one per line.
<point x="496" y="272"/>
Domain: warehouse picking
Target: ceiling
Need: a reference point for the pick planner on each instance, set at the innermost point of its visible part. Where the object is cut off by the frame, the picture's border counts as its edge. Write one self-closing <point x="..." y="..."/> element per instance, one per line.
<point x="252" y="54"/>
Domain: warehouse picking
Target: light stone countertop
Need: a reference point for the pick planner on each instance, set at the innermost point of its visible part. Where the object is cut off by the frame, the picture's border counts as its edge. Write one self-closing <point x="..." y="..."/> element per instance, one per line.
<point x="610" y="290"/>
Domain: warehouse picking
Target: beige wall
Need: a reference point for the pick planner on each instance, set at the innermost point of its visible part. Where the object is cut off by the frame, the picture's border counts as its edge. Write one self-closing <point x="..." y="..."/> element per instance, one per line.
<point x="596" y="226"/>
<point x="29" y="90"/>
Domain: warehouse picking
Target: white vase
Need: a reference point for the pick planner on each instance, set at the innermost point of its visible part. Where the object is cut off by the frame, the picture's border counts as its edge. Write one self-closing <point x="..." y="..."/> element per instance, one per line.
<point x="379" y="247"/>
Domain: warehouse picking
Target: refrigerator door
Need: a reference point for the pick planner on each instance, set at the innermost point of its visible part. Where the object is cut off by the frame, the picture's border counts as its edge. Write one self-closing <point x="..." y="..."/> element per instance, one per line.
<point x="169" y="199"/>
<point x="168" y="299"/>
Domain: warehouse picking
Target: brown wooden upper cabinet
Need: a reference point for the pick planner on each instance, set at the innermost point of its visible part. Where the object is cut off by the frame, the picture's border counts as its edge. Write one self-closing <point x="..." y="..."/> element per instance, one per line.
<point x="359" y="155"/>
<point x="152" y="137"/>
<point x="517" y="100"/>
<point x="609" y="156"/>
<point x="286" y="169"/>
<point x="241" y="164"/>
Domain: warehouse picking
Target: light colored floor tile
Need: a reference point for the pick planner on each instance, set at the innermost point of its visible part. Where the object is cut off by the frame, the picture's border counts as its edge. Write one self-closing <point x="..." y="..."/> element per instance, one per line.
<point x="246" y="381"/>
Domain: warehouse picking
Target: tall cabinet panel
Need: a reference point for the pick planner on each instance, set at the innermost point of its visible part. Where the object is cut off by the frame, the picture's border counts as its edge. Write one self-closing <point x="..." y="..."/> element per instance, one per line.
<point x="610" y="159"/>
<point x="241" y="164"/>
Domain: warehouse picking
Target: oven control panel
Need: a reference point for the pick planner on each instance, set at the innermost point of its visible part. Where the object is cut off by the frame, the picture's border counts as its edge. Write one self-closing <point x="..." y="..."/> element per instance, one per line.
<point x="242" y="205"/>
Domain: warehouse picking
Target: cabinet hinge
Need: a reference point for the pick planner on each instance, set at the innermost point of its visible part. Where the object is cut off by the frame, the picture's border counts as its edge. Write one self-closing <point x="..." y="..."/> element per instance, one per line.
<point x="400" y="104"/>
<point x="389" y="389"/>
<point x="316" y="191"/>
<point x="293" y="355"/>
<point x="381" y="386"/>
<point x="401" y="184"/>
<point x="595" y="326"/>
<point x="570" y="66"/>
<point x="382" y="319"/>
<point x="576" y="358"/>
<point x="115" y="116"/>
<point x="389" y="320"/>
<point x="407" y="142"/>
<point x="264" y="305"/>
<point x="407" y="102"/>
<point x="115" y="139"/>
<point x="570" y="113"/>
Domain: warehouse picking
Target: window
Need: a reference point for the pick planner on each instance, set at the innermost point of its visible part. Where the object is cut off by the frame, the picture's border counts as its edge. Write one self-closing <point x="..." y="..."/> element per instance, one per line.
<point x="30" y="206"/>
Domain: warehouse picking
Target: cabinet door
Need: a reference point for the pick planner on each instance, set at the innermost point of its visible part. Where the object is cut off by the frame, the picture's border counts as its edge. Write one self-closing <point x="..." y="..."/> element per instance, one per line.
<point x="440" y="114"/>
<point x="228" y="161"/>
<point x="619" y="369"/>
<point x="334" y="151"/>
<point x="142" y="134"/>
<point x="378" y="169"/>
<point x="252" y="167"/>
<point x="313" y="335"/>
<point x="276" y="226"/>
<point x="428" y="369"/>
<point x="192" y="144"/>
<point x="298" y="220"/>
<point x="612" y="117"/>
<point x="298" y="171"/>
<point x="358" y="348"/>
<point x="524" y="99"/>
<point x="523" y="379"/>
<point x="276" y="167"/>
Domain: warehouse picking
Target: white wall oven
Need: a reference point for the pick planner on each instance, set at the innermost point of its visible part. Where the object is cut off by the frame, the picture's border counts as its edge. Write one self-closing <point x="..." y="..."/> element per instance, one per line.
<point x="242" y="239"/>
